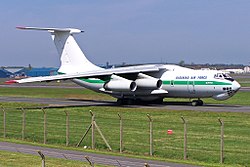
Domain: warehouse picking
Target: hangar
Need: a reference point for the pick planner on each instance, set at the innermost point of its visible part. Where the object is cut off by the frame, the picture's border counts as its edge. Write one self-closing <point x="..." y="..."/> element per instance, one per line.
<point x="19" y="72"/>
<point x="5" y="74"/>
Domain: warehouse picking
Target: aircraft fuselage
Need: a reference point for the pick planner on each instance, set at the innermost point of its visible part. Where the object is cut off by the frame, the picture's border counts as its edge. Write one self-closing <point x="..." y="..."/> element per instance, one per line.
<point x="178" y="82"/>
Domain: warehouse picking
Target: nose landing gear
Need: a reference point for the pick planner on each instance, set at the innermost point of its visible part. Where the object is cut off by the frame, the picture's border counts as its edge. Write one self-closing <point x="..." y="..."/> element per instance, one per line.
<point x="197" y="102"/>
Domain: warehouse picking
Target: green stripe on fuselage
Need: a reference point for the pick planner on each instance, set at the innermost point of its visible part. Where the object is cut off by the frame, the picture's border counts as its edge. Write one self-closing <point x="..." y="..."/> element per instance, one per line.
<point x="177" y="82"/>
<point x="180" y="82"/>
<point x="211" y="83"/>
<point x="95" y="81"/>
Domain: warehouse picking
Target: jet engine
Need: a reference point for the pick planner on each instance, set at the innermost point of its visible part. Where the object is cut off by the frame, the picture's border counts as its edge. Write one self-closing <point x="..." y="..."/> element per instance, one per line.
<point x="147" y="82"/>
<point x="118" y="83"/>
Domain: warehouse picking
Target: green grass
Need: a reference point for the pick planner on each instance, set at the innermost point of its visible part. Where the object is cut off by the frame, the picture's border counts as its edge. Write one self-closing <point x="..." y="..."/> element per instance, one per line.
<point x="244" y="82"/>
<point x="203" y="127"/>
<point x="53" y="93"/>
<point x="19" y="105"/>
<point x="243" y="79"/>
<point x="12" y="159"/>
<point x="203" y="131"/>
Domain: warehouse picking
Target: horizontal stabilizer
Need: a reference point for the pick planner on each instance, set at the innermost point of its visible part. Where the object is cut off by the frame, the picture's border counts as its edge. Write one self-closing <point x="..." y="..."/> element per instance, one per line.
<point x="70" y="30"/>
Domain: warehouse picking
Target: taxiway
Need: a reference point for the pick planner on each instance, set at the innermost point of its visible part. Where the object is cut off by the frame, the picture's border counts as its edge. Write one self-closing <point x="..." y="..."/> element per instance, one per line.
<point x="51" y="102"/>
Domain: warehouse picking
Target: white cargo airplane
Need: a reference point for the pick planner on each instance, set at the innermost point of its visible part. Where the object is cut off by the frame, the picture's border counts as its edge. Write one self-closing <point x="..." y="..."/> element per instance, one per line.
<point x="142" y="83"/>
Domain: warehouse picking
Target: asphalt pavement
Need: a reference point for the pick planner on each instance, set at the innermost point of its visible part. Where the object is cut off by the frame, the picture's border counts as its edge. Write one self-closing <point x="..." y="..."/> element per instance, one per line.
<point x="51" y="102"/>
<point x="79" y="155"/>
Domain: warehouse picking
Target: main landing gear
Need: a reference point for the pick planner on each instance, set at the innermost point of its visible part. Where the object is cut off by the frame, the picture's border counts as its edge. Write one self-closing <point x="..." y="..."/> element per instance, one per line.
<point x="197" y="102"/>
<point x="123" y="101"/>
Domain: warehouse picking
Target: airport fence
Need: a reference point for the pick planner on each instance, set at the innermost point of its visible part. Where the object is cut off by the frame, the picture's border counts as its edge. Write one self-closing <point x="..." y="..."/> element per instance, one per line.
<point x="206" y="139"/>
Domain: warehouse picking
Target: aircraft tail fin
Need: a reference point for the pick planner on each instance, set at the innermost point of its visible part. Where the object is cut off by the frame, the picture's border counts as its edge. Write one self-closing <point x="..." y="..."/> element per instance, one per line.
<point x="72" y="58"/>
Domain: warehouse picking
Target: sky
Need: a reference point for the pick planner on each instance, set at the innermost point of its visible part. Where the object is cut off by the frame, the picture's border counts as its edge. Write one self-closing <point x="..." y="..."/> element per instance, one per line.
<point x="131" y="31"/>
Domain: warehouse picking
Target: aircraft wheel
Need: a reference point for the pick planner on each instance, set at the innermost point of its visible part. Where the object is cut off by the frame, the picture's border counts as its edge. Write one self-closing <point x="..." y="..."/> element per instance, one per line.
<point x="125" y="102"/>
<point x="197" y="103"/>
<point x="120" y="102"/>
<point x="194" y="103"/>
<point x="131" y="102"/>
<point x="158" y="101"/>
<point x="200" y="103"/>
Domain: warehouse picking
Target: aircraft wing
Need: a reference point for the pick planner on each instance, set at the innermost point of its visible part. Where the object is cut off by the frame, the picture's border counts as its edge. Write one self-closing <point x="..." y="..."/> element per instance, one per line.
<point x="91" y="74"/>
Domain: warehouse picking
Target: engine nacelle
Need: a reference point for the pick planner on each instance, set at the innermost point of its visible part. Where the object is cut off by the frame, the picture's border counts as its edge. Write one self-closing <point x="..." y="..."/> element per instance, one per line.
<point x="147" y="82"/>
<point x="120" y="84"/>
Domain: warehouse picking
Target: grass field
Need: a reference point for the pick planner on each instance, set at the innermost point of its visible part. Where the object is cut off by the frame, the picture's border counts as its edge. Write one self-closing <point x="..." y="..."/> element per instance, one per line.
<point x="203" y="131"/>
<point x="203" y="127"/>
<point x="53" y="93"/>
<point x="244" y="82"/>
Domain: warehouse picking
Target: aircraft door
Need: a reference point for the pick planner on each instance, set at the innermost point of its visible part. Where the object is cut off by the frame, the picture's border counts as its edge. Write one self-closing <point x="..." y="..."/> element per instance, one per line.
<point x="191" y="87"/>
<point x="172" y="83"/>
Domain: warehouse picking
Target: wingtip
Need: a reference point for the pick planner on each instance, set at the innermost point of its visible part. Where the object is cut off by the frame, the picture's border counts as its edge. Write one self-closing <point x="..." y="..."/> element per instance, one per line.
<point x="20" y="27"/>
<point x="10" y="82"/>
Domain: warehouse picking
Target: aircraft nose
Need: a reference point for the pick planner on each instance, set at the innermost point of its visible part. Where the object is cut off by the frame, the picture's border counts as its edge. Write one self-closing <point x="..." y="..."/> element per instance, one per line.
<point x="236" y="86"/>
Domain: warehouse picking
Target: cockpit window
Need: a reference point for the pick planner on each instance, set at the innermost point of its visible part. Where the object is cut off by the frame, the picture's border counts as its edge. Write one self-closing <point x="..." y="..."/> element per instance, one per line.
<point x="218" y="76"/>
<point x="228" y="77"/>
<point x="223" y="76"/>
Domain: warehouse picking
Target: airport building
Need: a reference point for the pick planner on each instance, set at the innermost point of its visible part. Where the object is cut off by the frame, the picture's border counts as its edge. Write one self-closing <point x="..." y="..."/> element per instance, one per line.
<point x="233" y="71"/>
<point x="21" y="72"/>
<point x="5" y="74"/>
<point x="247" y="69"/>
<point x="36" y="72"/>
